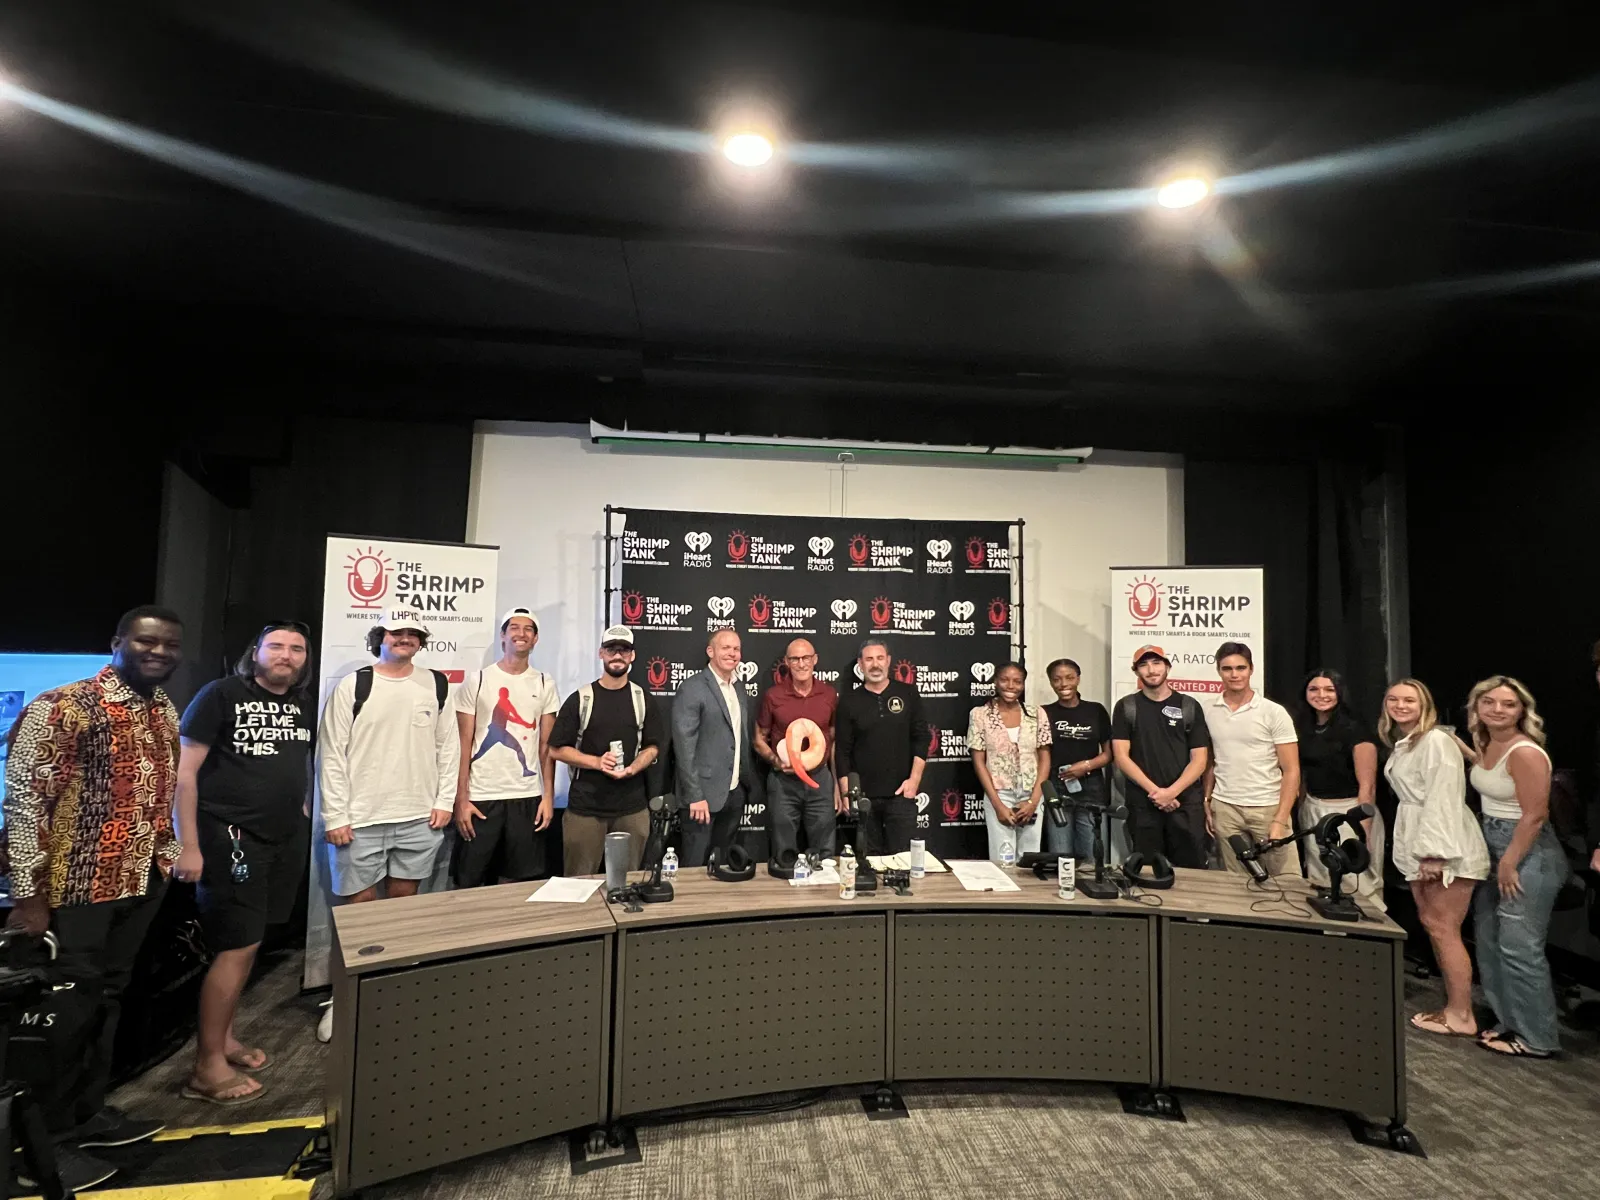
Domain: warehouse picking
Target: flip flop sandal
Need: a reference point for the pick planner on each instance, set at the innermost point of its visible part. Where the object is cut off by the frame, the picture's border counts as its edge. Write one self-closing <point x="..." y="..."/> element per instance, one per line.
<point x="193" y="1091"/>
<point x="254" y="1069"/>
<point x="1511" y="1045"/>
<point x="1438" y="1018"/>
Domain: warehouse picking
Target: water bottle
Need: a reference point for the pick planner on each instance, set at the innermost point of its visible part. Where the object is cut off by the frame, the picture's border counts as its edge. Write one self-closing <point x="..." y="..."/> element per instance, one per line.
<point x="1067" y="877"/>
<point x="802" y="870"/>
<point x="847" y="874"/>
<point x="1008" y="852"/>
<point x="669" y="864"/>
<point x="919" y="858"/>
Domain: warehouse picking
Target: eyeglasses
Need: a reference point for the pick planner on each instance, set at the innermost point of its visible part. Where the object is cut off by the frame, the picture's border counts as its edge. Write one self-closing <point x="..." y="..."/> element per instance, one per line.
<point x="299" y="627"/>
<point x="616" y="648"/>
<point x="801" y="658"/>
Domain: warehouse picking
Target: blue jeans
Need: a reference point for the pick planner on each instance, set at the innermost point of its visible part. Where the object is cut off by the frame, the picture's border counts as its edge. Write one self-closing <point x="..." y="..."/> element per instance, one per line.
<point x="1511" y="935"/>
<point x="1076" y="837"/>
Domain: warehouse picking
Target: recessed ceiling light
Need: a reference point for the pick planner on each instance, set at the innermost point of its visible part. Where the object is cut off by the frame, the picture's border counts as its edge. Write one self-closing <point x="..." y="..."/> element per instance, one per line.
<point x="748" y="149"/>
<point x="1183" y="193"/>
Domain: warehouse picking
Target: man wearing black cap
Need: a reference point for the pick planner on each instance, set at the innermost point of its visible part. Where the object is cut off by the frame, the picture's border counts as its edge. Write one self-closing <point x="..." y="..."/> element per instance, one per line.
<point x="1162" y="747"/>
<point x="608" y="793"/>
<point x="505" y="787"/>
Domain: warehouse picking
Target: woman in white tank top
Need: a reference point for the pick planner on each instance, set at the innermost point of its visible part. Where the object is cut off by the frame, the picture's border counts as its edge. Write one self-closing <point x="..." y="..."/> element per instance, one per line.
<point x="1511" y="912"/>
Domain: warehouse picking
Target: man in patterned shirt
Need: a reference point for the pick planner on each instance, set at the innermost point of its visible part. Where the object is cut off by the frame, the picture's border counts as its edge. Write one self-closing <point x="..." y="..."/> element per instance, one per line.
<point x="88" y="844"/>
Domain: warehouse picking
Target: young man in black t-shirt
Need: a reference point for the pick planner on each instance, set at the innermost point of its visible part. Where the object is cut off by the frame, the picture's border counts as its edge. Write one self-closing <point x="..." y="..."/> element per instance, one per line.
<point x="1162" y="752"/>
<point x="244" y="778"/>
<point x="608" y="792"/>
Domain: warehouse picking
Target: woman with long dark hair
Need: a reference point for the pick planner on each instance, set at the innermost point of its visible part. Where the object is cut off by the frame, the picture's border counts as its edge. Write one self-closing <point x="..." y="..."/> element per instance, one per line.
<point x="1080" y="749"/>
<point x="1010" y="747"/>
<point x="1338" y="771"/>
<point x="1437" y="844"/>
<point x="1511" y="911"/>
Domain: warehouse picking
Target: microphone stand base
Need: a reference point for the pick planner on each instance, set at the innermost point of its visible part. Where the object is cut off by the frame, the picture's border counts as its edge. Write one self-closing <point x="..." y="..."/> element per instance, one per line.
<point x="1098" y="889"/>
<point x="1331" y="908"/>
<point x="655" y="892"/>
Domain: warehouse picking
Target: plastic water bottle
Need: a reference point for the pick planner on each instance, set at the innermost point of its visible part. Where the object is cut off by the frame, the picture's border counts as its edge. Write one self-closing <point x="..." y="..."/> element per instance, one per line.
<point x="802" y="870"/>
<point x="847" y="874"/>
<point x="1008" y="853"/>
<point x="669" y="864"/>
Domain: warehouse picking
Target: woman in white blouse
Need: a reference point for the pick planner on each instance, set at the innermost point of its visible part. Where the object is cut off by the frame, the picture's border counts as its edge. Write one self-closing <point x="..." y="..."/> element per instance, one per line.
<point x="1437" y="844"/>
<point x="1511" y="912"/>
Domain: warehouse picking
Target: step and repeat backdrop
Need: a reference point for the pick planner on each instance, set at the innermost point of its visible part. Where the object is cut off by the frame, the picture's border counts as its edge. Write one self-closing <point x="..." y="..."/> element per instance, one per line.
<point x="942" y="594"/>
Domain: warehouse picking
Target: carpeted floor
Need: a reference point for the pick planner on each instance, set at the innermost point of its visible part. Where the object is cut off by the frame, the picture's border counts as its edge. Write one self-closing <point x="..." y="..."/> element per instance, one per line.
<point x="1492" y="1127"/>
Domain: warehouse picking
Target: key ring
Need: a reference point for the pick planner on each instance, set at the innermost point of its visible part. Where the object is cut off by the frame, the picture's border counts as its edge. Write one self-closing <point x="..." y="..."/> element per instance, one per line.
<point x="241" y="869"/>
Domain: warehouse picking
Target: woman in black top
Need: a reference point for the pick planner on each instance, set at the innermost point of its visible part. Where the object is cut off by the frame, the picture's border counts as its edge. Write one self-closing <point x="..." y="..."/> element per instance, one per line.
<point x="1338" y="770"/>
<point x="1080" y="748"/>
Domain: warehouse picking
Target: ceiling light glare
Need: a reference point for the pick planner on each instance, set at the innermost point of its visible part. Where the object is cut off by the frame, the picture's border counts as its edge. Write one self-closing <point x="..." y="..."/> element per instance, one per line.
<point x="1183" y="193"/>
<point x="748" y="150"/>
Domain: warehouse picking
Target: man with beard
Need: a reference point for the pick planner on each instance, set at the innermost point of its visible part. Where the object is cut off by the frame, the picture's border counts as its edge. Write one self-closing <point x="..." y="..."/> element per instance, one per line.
<point x="607" y="792"/>
<point x="882" y="736"/>
<point x="243" y="784"/>
<point x="1162" y="747"/>
<point x="88" y="840"/>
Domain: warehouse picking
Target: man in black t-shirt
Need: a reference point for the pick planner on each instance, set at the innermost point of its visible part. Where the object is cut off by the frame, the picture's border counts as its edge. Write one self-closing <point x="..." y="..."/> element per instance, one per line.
<point x="608" y="792"/>
<point x="882" y="736"/>
<point x="1162" y="747"/>
<point x="244" y="777"/>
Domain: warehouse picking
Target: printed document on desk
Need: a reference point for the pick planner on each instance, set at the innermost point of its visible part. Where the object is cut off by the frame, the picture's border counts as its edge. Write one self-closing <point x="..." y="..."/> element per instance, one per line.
<point x="563" y="890"/>
<point x="981" y="875"/>
<point x="902" y="862"/>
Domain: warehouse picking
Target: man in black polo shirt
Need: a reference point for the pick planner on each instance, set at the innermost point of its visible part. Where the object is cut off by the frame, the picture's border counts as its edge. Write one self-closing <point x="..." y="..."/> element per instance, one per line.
<point x="881" y="736"/>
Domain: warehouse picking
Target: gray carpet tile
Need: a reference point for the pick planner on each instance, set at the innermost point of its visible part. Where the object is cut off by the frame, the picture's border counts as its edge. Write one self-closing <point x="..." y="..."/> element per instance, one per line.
<point x="1492" y="1127"/>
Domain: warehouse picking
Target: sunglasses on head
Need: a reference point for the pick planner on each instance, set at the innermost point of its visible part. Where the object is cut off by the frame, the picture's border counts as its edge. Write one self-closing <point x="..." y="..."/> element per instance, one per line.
<point x="299" y="627"/>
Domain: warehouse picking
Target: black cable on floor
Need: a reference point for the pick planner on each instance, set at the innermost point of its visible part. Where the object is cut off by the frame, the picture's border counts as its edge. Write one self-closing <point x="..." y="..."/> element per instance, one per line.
<point x="792" y="1102"/>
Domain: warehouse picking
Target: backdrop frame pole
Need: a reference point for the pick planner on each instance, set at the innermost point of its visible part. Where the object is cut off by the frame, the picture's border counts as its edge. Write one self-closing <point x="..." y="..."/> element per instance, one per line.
<point x="605" y="619"/>
<point x="1021" y="607"/>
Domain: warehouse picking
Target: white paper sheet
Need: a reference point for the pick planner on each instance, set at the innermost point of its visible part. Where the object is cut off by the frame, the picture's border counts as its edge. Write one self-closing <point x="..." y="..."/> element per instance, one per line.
<point x="825" y="876"/>
<point x="563" y="890"/>
<point x="981" y="875"/>
<point x="902" y="862"/>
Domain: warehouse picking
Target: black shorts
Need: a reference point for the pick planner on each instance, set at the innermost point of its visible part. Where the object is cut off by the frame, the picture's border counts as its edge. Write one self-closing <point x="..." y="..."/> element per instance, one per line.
<point x="232" y="914"/>
<point x="505" y="845"/>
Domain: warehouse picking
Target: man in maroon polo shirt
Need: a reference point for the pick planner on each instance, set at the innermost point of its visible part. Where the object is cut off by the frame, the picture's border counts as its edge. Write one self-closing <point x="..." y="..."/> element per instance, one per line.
<point x="791" y="803"/>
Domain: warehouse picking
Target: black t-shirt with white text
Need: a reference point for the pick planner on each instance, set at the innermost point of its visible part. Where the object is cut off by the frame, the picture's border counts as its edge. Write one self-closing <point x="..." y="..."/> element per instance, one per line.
<point x="257" y="773"/>
<point x="1158" y="743"/>
<point x="1076" y="733"/>
<point x="594" y="793"/>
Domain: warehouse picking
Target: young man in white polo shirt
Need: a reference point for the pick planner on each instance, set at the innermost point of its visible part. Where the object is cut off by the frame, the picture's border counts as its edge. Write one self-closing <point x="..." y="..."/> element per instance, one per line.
<point x="1255" y="764"/>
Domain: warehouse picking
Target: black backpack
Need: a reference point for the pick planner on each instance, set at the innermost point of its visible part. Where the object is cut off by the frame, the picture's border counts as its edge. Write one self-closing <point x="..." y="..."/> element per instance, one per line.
<point x="441" y="689"/>
<point x="1190" y="706"/>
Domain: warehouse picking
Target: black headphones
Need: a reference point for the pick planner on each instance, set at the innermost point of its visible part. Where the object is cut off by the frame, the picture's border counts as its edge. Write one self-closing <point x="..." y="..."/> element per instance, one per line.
<point x="1350" y="856"/>
<point x="732" y="865"/>
<point x="781" y="864"/>
<point x="1161" y="875"/>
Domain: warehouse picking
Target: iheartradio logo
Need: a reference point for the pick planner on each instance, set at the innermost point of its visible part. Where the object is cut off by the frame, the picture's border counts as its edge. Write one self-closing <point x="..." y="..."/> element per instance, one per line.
<point x="923" y="800"/>
<point x="881" y="612"/>
<point x="983" y="672"/>
<point x="844" y="609"/>
<point x="747" y="670"/>
<point x="820" y="546"/>
<point x="938" y="548"/>
<point x="720" y="606"/>
<point x="697" y="540"/>
<point x="962" y="610"/>
<point x="367" y="578"/>
<point x="1144" y="601"/>
<point x="857" y="670"/>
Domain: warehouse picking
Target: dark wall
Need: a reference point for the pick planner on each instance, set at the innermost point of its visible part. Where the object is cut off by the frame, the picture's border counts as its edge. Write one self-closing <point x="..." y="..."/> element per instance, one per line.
<point x="1504" y="566"/>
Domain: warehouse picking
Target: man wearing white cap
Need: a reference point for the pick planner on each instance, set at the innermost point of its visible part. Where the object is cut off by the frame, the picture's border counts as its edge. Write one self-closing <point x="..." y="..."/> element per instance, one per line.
<point x="504" y="791"/>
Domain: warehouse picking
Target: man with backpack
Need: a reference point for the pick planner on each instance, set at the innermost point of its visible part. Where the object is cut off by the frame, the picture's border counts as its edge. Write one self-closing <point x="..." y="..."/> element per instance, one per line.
<point x="505" y="790"/>
<point x="388" y="771"/>
<point x="608" y="792"/>
<point x="1162" y="747"/>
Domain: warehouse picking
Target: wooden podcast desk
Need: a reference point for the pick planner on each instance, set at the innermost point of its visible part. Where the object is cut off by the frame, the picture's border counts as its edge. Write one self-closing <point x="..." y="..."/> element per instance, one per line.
<point x="484" y="1021"/>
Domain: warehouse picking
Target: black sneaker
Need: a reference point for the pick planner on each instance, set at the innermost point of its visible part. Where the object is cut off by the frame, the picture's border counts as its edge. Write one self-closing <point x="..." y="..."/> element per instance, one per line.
<point x="113" y="1127"/>
<point x="79" y="1171"/>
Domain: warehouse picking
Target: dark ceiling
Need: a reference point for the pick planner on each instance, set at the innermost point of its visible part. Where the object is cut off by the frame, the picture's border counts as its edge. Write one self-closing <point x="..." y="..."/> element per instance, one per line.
<point x="516" y="195"/>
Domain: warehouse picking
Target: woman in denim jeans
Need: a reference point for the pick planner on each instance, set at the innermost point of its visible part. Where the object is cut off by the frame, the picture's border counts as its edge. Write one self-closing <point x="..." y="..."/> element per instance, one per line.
<point x="1511" y="911"/>
<point x="1010" y="746"/>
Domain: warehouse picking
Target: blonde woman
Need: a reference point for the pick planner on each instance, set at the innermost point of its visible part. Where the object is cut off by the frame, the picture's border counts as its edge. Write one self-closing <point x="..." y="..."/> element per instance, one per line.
<point x="1437" y="844"/>
<point x="1511" y="912"/>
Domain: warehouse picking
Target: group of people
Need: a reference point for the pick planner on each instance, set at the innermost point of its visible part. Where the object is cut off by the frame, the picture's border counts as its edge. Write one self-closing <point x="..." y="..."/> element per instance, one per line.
<point x="108" y="792"/>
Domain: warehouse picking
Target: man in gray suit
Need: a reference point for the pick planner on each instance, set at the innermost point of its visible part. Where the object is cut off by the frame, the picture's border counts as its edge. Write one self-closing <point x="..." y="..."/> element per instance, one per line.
<point x="711" y="726"/>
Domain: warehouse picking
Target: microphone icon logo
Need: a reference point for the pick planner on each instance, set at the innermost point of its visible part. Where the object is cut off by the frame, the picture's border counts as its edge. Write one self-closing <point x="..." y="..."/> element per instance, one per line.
<point x="367" y="578"/>
<point x="1144" y="601"/>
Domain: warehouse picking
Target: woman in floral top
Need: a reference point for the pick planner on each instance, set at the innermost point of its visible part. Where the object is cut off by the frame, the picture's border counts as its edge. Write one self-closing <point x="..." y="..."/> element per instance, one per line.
<point x="1010" y="747"/>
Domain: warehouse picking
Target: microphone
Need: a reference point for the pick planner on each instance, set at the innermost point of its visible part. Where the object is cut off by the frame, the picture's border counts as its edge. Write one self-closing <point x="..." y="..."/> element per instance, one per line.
<point x="1248" y="853"/>
<point x="667" y="802"/>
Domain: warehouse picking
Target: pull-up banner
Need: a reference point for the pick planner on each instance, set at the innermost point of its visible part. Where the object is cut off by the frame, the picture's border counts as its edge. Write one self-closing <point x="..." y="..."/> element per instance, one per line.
<point x="938" y="592"/>
<point x="452" y="589"/>
<point x="1187" y="612"/>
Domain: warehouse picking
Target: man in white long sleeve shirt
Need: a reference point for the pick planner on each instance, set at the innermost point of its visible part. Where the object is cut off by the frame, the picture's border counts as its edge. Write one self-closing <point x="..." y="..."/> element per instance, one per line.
<point x="389" y="756"/>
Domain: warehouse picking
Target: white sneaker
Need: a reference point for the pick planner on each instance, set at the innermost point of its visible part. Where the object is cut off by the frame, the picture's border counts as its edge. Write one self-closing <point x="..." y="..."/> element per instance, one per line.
<point x="325" y="1026"/>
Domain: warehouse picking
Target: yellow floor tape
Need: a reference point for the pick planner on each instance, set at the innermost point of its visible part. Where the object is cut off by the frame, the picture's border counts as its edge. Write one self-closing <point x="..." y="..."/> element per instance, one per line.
<point x="177" y="1135"/>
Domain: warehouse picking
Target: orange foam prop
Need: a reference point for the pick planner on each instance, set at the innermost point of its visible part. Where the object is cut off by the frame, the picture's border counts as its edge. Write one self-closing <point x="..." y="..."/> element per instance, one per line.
<point x="806" y="749"/>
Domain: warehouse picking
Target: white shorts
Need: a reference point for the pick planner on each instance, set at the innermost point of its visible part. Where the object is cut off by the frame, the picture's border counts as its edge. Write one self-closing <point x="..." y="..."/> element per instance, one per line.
<point x="394" y="850"/>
